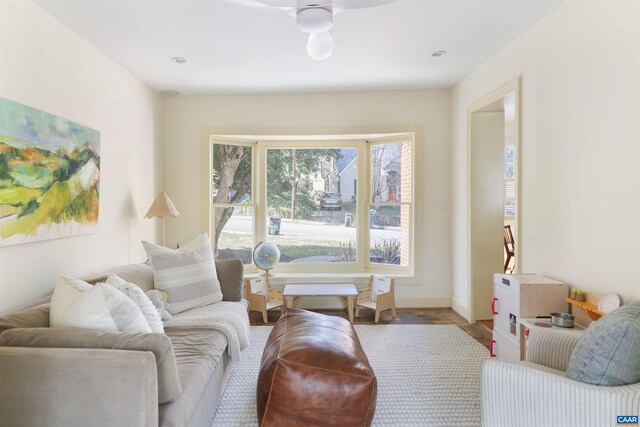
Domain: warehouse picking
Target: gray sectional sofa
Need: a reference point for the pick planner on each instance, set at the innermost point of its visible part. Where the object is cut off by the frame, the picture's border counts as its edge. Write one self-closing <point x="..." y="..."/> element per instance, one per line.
<point x="76" y="377"/>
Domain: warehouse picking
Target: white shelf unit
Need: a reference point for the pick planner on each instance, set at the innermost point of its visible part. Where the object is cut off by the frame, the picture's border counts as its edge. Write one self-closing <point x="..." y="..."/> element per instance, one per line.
<point x="517" y="296"/>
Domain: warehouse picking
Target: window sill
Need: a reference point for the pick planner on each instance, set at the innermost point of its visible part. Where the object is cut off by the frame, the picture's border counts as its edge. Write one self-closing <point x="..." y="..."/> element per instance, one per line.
<point x="313" y="278"/>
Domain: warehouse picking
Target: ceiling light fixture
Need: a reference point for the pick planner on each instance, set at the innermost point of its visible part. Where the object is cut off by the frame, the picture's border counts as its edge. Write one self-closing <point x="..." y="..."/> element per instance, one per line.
<point x="314" y="20"/>
<point x="179" y="59"/>
<point x="438" y="53"/>
<point x="169" y="93"/>
<point x="315" y="17"/>
<point x="320" y="46"/>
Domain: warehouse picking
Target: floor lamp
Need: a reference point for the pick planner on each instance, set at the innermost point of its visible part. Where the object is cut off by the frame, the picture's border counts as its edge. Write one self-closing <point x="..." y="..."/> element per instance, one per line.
<point x="162" y="207"/>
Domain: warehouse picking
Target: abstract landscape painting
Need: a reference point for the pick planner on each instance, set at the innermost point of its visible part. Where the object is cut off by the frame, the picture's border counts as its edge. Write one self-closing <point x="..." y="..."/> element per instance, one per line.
<point x="49" y="176"/>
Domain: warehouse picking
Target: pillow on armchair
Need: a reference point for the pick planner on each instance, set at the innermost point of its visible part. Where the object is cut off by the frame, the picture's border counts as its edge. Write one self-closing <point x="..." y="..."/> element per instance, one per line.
<point x="608" y="352"/>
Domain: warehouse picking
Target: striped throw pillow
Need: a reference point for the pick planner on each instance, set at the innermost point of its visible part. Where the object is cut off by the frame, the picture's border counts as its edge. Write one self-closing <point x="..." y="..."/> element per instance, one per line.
<point x="188" y="275"/>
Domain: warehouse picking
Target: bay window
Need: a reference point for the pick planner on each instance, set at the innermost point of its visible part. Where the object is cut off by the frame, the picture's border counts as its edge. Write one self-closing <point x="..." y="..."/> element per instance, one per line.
<point x="330" y="205"/>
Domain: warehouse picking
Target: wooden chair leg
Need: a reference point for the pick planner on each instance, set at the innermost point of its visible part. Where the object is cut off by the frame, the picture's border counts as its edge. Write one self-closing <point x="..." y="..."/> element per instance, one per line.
<point x="377" y="319"/>
<point x="265" y="319"/>
<point x="357" y="311"/>
<point x="506" y="264"/>
<point x="393" y="311"/>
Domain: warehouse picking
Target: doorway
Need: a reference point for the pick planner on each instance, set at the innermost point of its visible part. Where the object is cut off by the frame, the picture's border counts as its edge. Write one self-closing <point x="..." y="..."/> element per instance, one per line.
<point x="493" y="147"/>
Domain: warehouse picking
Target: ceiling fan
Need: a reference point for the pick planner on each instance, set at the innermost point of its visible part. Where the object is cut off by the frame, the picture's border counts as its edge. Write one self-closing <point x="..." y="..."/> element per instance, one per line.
<point x="315" y="17"/>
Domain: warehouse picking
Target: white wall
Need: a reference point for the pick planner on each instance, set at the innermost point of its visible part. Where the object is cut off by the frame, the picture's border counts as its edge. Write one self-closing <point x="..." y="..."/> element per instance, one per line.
<point x="580" y="212"/>
<point x="188" y="121"/>
<point x="46" y="66"/>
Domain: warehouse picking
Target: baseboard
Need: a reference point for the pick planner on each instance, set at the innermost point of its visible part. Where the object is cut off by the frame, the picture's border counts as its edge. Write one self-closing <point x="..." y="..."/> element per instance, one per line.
<point x="459" y="308"/>
<point x="412" y="301"/>
<point x="419" y="301"/>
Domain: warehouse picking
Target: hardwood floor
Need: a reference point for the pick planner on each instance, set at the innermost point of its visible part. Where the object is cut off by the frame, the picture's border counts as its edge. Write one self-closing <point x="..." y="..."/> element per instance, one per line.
<point x="487" y="324"/>
<point x="406" y="316"/>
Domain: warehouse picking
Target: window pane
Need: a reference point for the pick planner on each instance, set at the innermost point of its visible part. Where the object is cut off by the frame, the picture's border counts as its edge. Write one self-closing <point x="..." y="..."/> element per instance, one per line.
<point x="510" y="208"/>
<point x="391" y="172"/>
<point x="389" y="234"/>
<point x="509" y="161"/>
<point x="233" y="233"/>
<point x="311" y="203"/>
<point x="231" y="174"/>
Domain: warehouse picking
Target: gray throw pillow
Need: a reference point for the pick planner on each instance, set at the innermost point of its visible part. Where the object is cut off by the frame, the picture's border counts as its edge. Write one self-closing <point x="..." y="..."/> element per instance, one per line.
<point x="140" y="274"/>
<point x="230" y="274"/>
<point x="168" y="380"/>
<point x="608" y="352"/>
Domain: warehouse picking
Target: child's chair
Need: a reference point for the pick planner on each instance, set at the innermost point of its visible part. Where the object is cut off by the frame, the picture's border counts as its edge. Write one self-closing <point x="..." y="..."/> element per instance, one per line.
<point x="262" y="298"/>
<point x="378" y="296"/>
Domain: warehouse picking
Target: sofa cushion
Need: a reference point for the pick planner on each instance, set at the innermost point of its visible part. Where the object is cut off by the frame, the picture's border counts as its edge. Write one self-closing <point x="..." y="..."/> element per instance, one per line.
<point x="140" y="274"/>
<point x="608" y="352"/>
<point x="230" y="273"/>
<point x="141" y="299"/>
<point x="168" y="380"/>
<point x="35" y="317"/>
<point x="188" y="275"/>
<point x="77" y="304"/>
<point x="198" y="352"/>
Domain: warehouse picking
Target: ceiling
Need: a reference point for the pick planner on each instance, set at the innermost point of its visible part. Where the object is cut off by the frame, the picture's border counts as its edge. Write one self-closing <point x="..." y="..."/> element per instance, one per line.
<point x="234" y="49"/>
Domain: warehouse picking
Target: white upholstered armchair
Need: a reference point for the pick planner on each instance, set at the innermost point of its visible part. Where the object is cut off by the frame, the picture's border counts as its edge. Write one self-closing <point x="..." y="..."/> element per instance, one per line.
<point x="536" y="393"/>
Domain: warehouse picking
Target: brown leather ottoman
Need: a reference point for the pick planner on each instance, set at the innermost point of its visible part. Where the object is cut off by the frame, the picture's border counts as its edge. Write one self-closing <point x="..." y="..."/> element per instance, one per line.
<point x="314" y="373"/>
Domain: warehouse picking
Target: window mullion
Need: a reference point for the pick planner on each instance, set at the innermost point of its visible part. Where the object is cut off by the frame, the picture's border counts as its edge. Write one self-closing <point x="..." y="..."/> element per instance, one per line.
<point x="260" y="183"/>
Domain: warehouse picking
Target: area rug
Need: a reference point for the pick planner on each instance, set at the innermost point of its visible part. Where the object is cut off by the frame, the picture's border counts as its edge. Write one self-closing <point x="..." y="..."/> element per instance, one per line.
<point x="428" y="375"/>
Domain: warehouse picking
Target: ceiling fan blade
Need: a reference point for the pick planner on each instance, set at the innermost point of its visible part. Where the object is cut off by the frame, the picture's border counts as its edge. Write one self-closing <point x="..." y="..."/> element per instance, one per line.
<point x="293" y="5"/>
<point x="342" y="5"/>
<point x="283" y="5"/>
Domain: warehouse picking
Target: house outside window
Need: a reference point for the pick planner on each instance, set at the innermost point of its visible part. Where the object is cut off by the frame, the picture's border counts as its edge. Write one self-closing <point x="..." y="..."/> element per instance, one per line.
<point x="390" y="203"/>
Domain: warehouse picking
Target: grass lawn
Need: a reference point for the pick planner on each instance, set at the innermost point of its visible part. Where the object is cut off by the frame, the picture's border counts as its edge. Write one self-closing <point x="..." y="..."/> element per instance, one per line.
<point x="234" y="245"/>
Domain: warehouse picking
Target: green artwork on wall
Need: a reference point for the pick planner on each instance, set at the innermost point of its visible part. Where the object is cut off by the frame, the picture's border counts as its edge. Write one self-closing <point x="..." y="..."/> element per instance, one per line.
<point x="49" y="176"/>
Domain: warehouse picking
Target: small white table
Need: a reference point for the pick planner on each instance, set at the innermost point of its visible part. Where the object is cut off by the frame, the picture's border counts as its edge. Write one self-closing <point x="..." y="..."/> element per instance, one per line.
<point x="527" y="324"/>
<point x="346" y="291"/>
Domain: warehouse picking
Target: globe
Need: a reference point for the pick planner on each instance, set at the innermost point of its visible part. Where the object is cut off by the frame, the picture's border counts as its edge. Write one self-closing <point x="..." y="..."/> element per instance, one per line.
<point x="266" y="255"/>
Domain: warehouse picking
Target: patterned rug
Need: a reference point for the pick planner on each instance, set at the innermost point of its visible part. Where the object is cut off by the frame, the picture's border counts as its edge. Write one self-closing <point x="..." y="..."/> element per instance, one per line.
<point x="428" y="375"/>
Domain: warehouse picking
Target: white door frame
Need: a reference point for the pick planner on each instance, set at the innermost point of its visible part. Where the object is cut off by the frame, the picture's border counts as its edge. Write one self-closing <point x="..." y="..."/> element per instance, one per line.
<point x="514" y="87"/>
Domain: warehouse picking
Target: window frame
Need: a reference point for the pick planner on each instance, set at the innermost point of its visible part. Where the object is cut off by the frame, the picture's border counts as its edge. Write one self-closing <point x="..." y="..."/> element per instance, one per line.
<point x="213" y="206"/>
<point x="391" y="268"/>
<point x="362" y="145"/>
<point x="263" y="147"/>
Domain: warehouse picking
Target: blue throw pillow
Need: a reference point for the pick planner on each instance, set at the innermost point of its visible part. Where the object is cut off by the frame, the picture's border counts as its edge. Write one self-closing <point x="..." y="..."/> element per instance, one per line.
<point x="608" y="352"/>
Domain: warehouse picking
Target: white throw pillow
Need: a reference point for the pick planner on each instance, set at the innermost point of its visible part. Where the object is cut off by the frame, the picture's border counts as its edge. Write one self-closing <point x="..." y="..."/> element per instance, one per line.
<point x="138" y="296"/>
<point x="188" y="275"/>
<point x="77" y="304"/>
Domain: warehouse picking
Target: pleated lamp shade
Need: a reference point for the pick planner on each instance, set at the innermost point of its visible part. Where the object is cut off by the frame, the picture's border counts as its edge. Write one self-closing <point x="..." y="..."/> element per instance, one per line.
<point x="162" y="207"/>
